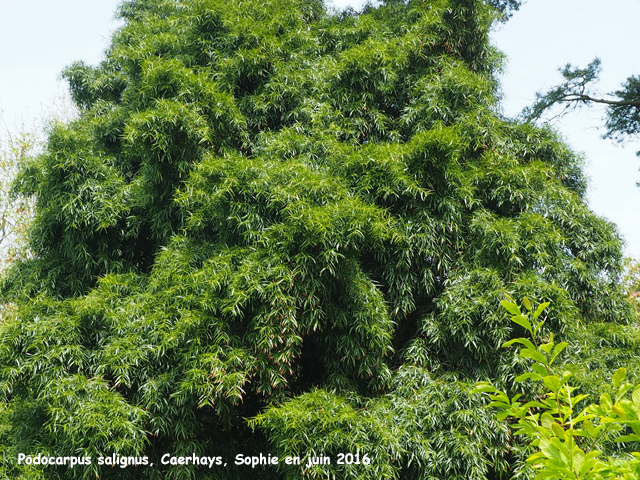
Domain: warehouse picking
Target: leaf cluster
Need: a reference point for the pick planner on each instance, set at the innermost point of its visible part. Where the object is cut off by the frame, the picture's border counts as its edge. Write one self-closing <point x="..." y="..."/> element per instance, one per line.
<point x="569" y="440"/>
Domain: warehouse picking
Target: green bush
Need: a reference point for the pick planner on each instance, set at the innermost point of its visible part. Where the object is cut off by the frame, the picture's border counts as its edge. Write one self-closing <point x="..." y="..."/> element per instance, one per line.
<point x="568" y="439"/>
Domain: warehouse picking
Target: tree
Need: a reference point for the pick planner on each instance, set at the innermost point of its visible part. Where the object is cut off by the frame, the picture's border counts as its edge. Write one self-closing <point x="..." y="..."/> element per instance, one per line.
<point x="505" y="7"/>
<point x="278" y="229"/>
<point x="623" y="106"/>
<point x="15" y="211"/>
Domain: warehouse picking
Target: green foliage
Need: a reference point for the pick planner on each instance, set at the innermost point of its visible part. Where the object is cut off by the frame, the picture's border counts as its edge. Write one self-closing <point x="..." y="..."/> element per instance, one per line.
<point x="401" y="432"/>
<point x="15" y="211"/>
<point x="632" y="282"/>
<point x="274" y="228"/>
<point x="567" y="438"/>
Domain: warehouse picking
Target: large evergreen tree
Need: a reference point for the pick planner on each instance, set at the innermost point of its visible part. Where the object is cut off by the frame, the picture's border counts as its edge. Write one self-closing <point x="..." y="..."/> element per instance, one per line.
<point x="279" y="229"/>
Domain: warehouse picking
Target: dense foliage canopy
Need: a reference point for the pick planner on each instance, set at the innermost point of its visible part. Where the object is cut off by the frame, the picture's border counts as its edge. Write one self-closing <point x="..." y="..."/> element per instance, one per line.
<point x="279" y="229"/>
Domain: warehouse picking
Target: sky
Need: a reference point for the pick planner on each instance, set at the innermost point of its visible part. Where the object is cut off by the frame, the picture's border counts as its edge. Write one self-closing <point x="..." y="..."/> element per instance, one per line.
<point x="40" y="37"/>
<point x="547" y="34"/>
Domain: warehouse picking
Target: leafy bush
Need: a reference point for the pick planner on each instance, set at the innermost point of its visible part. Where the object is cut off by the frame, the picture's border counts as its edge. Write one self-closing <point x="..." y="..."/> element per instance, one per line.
<point x="567" y="437"/>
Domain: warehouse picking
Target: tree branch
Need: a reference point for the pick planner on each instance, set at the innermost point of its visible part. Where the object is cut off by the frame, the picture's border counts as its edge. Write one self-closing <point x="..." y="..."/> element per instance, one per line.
<point x="587" y="98"/>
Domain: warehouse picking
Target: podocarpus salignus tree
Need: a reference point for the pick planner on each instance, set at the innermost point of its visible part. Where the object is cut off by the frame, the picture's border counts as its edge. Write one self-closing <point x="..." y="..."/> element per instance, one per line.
<point x="279" y="229"/>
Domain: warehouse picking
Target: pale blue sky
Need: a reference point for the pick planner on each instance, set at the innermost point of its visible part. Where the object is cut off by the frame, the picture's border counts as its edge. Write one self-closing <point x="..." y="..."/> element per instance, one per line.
<point x="40" y="37"/>
<point x="547" y="34"/>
